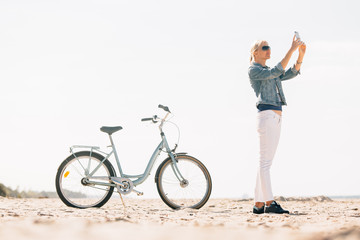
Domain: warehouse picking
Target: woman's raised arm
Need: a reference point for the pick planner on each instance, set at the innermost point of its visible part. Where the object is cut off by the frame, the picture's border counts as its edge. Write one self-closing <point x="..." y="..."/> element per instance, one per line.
<point x="295" y="44"/>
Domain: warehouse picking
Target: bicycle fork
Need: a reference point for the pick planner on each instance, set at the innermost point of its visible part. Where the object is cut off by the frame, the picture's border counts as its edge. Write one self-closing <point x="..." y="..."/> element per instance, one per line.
<point x="183" y="182"/>
<point x="174" y="166"/>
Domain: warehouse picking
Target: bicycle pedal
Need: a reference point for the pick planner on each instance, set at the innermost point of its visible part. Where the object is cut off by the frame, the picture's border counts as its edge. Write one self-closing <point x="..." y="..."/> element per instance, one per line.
<point x="138" y="193"/>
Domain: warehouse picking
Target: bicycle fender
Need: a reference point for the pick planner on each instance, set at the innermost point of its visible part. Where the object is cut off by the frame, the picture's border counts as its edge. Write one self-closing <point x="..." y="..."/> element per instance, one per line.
<point x="87" y="153"/>
<point x="181" y="153"/>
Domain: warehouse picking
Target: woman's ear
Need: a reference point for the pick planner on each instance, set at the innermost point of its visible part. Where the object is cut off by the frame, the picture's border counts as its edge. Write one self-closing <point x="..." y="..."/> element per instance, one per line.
<point x="256" y="53"/>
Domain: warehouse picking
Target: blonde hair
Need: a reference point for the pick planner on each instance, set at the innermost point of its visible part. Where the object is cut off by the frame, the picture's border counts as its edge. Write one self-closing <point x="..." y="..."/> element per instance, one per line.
<point x="254" y="48"/>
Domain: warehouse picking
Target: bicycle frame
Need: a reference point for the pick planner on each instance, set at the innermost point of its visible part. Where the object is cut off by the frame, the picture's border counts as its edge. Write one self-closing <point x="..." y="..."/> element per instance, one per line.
<point x="139" y="179"/>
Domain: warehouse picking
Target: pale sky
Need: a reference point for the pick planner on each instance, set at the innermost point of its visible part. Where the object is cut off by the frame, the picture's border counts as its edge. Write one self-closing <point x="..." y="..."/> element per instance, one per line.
<point x="69" y="67"/>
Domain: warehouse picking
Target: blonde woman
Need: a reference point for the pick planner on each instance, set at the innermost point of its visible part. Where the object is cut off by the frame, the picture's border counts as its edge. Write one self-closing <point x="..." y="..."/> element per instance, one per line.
<point x="266" y="83"/>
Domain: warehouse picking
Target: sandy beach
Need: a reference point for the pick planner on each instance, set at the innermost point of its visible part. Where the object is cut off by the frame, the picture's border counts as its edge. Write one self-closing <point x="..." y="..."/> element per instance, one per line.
<point x="312" y="218"/>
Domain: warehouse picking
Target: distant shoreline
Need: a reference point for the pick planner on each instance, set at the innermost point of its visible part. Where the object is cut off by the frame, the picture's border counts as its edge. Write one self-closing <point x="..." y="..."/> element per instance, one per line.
<point x="8" y="192"/>
<point x="345" y="197"/>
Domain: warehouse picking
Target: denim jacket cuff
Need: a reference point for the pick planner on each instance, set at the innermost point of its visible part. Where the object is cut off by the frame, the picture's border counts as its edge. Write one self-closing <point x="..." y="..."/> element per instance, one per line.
<point x="293" y="69"/>
<point x="279" y="66"/>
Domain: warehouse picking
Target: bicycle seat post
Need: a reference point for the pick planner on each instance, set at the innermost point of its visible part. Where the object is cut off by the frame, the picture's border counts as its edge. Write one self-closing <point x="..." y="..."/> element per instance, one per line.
<point x="111" y="141"/>
<point x="110" y="131"/>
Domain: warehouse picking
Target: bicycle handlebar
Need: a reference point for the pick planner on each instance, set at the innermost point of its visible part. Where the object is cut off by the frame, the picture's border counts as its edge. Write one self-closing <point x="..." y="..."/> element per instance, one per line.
<point x="165" y="108"/>
<point x="155" y="119"/>
<point x="146" y="119"/>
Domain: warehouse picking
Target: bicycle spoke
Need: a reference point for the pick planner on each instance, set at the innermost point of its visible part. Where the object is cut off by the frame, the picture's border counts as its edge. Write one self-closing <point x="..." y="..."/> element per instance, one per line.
<point x="74" y="167"/>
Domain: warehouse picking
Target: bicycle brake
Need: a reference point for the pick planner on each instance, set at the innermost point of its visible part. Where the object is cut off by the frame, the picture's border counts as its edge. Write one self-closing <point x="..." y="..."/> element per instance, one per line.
<point x="173" y="150"/>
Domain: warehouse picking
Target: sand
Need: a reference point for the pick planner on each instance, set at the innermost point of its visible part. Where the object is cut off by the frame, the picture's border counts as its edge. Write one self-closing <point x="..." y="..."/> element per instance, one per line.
<point x="313" y="218"/>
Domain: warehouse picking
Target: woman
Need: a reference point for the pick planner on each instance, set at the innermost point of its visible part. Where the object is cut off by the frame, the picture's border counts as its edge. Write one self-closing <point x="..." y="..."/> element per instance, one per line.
<point x="266" y="83"/>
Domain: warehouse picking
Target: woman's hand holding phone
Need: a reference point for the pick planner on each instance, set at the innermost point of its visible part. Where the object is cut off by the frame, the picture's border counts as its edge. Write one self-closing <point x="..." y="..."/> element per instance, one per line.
<point x="295" y="44"/>
<point x="302" y="47"/>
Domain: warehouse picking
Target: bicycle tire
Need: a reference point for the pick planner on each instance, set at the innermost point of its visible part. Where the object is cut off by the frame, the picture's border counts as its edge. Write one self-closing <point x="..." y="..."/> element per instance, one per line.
<point x="67" y="196"/>
<point x="176" y="196"/>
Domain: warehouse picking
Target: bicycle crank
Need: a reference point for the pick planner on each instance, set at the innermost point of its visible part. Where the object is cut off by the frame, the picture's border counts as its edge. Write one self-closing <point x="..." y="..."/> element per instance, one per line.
<point x="123" y="185"/>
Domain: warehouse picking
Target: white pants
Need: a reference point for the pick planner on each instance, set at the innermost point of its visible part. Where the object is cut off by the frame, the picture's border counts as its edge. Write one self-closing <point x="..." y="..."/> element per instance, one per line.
<point x="269" y="126"/>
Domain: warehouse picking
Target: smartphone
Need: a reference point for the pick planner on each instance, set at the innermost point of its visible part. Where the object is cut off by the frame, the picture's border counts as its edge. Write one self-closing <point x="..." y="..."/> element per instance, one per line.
<point x="297" y="35"/>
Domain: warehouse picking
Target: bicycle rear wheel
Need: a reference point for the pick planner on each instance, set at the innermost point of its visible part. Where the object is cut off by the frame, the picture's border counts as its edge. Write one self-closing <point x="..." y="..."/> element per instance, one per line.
<point x="71" y="182"/>
<point x="193" y="192"/>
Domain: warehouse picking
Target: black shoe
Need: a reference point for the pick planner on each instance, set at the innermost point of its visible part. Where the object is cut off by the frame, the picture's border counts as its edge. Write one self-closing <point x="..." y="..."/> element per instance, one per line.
<point x="275" y="208"/>
<point x="257" y="210"/>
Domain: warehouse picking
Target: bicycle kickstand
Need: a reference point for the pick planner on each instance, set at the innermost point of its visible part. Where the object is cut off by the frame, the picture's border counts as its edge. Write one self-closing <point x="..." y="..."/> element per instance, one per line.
<point x="122" y="200"/>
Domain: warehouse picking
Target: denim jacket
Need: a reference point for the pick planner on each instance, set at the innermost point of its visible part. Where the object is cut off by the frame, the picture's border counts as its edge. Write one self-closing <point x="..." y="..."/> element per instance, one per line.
<point x="266" y="83"/>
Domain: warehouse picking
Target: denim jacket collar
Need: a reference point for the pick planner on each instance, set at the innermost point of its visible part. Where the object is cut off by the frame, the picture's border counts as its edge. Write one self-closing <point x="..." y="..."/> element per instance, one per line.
<point x="258" y="64"/>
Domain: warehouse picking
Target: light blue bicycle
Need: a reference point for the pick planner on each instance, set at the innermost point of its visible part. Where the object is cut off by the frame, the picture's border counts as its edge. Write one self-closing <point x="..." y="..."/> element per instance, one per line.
<point x="87" y="178"/>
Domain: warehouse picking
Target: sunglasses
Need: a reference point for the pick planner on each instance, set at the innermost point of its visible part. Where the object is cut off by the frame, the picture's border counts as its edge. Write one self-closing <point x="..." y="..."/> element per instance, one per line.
<point x="264" y="48"/>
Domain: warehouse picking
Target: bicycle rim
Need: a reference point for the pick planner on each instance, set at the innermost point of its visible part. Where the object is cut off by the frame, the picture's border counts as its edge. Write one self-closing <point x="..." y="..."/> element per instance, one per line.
<point x="72" y="185"/>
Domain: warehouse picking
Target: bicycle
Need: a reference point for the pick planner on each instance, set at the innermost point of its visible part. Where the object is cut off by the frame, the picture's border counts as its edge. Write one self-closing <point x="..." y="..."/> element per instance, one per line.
<point x="87" y="178"/>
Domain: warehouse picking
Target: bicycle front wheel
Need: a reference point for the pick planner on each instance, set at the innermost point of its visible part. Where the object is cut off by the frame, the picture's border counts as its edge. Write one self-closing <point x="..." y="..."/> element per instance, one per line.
<point x="72" y="184"/>
<point x="192" y="192"/>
